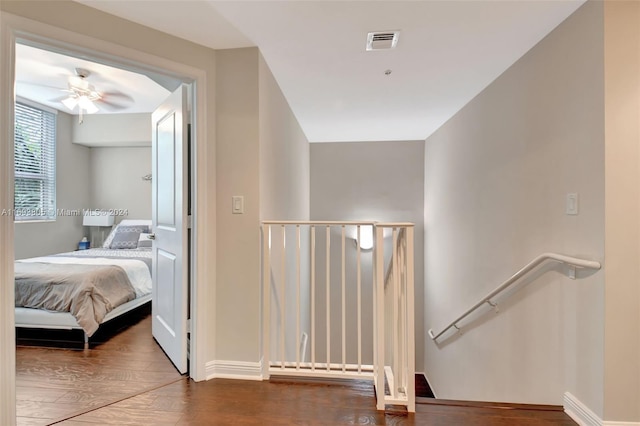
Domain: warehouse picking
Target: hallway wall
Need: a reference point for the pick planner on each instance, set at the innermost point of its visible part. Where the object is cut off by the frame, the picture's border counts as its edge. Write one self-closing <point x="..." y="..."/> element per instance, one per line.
<point x="378" y="181"/>
<point x="237" y="169"/>
<point x="622" y="226"/>
<point x="496" y="179"/>
<point x="262" y="155"/>
<point x="284" y="195"/>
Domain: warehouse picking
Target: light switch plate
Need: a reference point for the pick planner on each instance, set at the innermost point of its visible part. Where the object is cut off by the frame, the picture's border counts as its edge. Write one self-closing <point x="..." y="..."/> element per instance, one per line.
<point x="237" y="204"/>
<point x="571" y="207"/>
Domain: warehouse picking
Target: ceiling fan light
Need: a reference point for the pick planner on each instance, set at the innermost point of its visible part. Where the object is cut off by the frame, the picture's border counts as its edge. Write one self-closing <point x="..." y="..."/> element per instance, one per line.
<point x="92" y="109"/>
<point x="70" y="102"/>
<point x="86" y="104"/>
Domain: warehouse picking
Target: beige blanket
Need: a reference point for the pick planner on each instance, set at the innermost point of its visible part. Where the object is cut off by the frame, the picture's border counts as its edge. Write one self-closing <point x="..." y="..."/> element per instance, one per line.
<point x="88" y="292"/>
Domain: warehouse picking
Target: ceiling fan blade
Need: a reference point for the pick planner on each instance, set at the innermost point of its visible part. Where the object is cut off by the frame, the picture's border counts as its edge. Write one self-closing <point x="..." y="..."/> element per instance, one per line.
<point x="116" y="94"/>
<point x="110" y="106"/>
<point x="40" y="91"/>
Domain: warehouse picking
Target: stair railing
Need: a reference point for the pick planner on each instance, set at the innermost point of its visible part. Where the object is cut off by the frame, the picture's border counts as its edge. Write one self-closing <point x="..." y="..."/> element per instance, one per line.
<point x="573" y="262"/>
<point x="394" y="357"/>
<point x="307" y="313"/>
<point x="332" y="308"/>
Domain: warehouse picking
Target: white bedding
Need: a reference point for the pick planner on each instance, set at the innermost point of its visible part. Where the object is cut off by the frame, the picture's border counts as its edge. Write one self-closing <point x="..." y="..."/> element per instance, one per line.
<point x="102" y="252"/>
<point x="136" y="270"/>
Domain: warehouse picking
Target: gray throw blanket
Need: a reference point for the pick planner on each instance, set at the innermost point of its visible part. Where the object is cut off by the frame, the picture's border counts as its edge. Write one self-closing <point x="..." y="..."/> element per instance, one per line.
<point x="88" y="292"/>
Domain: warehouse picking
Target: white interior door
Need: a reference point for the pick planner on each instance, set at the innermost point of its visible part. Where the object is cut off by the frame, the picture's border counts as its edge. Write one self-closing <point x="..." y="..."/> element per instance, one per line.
<point x="170" y="256"/>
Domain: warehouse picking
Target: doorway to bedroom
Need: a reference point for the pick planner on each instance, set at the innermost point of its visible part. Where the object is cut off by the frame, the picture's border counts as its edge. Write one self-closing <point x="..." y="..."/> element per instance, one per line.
<point x="109" y="150"/>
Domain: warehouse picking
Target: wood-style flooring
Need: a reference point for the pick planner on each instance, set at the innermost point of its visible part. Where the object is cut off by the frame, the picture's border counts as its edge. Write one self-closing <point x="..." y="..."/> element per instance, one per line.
<point x="54" y="383"/>
<point x="125" y="379"/>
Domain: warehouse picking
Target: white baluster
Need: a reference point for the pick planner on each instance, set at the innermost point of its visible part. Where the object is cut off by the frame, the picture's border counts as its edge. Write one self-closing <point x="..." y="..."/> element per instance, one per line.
<point x="344" y="303"/>
<point x="283" y="290"/>
<point x="313" y="298"/>
<point x="328" y="272"/>
<point x="297" y="297"/>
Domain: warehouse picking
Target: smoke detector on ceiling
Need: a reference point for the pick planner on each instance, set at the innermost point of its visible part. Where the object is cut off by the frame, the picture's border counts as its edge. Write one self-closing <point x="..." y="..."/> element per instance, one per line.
<point x="381" y="40"/>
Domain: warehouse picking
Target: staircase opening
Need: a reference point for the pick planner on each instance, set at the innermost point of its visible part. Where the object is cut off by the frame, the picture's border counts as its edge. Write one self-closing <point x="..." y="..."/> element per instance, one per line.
<point x="338" y="304"/>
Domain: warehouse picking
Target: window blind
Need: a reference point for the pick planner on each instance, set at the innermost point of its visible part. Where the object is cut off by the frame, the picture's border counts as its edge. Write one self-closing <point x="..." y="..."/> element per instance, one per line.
<point x="34" y="160"/>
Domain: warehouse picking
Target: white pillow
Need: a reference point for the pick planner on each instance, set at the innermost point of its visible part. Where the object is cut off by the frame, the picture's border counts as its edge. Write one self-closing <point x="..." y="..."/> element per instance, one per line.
<point x="144" y="241"/>
<point x="135" y="222"/>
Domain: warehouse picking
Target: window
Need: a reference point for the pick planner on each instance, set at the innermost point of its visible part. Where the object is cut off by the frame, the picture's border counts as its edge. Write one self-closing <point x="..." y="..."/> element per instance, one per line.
<point x="34" y="160"/>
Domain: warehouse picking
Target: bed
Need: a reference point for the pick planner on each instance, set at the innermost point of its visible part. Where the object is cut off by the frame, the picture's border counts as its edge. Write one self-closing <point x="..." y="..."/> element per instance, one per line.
<point x="86" y="288"/>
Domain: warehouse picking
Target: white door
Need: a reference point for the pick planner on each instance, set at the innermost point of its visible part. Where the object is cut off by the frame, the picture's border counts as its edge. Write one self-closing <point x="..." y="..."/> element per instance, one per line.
<point x="170" y="256"/>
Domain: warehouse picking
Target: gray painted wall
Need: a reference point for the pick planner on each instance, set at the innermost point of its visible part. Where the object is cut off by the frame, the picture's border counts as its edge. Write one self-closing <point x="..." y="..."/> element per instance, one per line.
<point x="496" y="179"/>
<point x="72" y="193"/>
<point x="116" y="180"/>
<point x="284" y="195"/>
<point x="262" y="155"/>
<point x="284" y="155"/>
<point x="382" y="181"/>
<point x="110" y="130"/>
<point x="238" y="163"/>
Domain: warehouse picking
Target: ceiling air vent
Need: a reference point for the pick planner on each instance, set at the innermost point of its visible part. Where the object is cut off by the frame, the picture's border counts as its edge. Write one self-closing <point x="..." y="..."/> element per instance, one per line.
<point x="381" y="40"/>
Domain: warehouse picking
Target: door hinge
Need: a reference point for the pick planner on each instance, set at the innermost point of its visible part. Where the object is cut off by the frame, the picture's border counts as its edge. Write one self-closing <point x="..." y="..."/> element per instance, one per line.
<point x="188" y="326"/>
<point x="189" y="222"/>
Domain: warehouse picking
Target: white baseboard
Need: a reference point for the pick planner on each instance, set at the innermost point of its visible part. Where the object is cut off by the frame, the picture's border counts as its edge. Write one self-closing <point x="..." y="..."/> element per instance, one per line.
<point x="240" y="370"/>
<point x="579" y="412"/>
<point x="582" y="415"/>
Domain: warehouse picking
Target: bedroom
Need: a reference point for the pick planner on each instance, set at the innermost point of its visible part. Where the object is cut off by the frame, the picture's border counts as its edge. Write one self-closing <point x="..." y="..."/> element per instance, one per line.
<point x="102" y="161"/>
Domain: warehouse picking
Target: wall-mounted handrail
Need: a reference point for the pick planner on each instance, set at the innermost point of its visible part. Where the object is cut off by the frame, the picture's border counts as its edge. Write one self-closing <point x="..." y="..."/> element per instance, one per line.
<point x="573" y="261"/>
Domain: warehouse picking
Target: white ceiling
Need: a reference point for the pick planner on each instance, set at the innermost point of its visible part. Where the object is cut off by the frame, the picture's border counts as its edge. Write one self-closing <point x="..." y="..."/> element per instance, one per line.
<point x="447" y="53"/>
<point x="43" y="76"/>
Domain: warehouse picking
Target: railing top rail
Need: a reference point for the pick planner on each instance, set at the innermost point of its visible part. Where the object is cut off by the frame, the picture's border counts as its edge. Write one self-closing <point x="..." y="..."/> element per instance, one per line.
<point x="395" y="224"/>
<point x="338" y="223"/>
<point x="574" y="261"/>
<point x="317" y="222"/>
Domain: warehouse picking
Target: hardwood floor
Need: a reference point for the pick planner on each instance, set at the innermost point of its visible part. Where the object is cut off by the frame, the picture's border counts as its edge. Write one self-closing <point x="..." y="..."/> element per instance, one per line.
<point x="233" y="402"/>
<point x="54" y="383"/>
<point x="127" y="380"/>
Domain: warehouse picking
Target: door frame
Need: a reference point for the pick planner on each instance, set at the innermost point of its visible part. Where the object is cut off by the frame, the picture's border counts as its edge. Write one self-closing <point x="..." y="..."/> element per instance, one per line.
<point x="19" y="29"/>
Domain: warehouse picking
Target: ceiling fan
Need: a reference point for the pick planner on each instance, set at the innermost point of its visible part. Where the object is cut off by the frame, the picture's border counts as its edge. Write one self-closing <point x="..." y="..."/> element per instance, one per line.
<point x="86" y="98"/>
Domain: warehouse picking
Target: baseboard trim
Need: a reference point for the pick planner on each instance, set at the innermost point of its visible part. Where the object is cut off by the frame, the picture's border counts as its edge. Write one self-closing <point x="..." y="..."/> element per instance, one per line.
<point x="239" y="370"/>
<point x="582" y="415"/>
<point x="579" y="412"/>
<point x="606" y="423"/>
